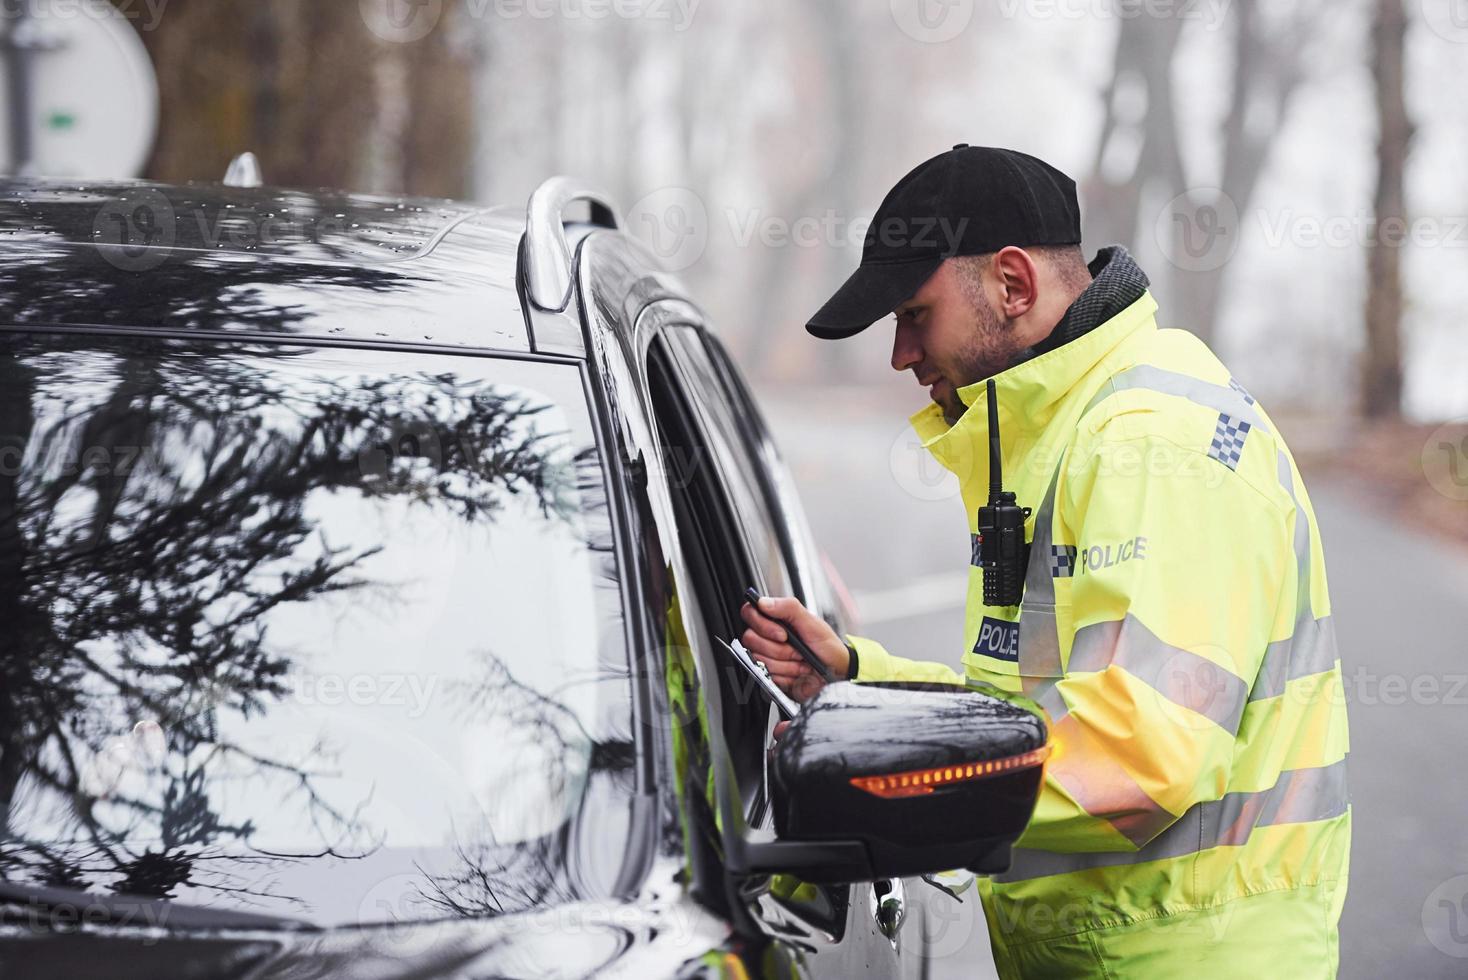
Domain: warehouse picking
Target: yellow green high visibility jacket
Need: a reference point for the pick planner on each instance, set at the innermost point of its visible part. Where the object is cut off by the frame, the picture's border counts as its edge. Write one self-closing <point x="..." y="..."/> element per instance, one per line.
<point x="1176" y="630"/>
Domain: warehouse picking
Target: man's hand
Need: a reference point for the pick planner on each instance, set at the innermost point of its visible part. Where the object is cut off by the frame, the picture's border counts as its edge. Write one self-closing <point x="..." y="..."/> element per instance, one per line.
<point x="766" y="641"/>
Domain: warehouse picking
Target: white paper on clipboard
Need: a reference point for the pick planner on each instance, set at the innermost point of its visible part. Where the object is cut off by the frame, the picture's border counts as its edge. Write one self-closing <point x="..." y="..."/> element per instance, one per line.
<point x="762" y="677"/>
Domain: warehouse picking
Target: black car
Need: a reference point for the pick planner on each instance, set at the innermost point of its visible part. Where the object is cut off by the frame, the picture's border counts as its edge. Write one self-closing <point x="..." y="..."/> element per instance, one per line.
<point x="366" y="567"/>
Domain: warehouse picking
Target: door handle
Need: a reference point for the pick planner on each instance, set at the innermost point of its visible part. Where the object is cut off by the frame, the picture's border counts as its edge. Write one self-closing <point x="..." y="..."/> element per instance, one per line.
<point x="889" y="907"/>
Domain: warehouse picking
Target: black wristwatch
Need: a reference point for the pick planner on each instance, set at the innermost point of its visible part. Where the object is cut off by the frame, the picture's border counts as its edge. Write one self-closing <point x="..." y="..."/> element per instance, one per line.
<point x="855" y="662"/>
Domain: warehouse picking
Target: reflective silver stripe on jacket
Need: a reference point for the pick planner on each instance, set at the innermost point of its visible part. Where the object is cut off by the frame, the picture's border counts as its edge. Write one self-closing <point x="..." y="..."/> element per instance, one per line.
<point x="1039" y="637"/>
<point x="1310" y="648"/>
<point x="1101" y="786"/>
<point x="1185" y="678"/>
<point x="1146" y="377"/>
<point x="1298" y="796"/>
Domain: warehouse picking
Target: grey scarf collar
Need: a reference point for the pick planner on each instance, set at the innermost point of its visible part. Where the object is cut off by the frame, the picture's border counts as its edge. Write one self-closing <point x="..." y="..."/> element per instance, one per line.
<point x="1118" y="282"/>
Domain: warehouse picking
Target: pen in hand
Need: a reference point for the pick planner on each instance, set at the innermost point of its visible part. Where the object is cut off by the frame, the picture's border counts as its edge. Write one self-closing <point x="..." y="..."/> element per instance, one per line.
<point x="793" y="639"/>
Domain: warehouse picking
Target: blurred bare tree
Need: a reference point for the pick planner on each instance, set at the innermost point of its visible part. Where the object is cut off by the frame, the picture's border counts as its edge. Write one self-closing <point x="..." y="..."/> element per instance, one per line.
<point x="315" y="93"/>
<point x="832" y="45"/>
<point x="1381" y="367"/>
<point x="1139" y="160"/>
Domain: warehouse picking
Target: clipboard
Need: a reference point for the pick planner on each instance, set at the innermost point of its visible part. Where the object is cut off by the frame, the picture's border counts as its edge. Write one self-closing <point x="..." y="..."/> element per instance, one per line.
<point x="762" y="677"/>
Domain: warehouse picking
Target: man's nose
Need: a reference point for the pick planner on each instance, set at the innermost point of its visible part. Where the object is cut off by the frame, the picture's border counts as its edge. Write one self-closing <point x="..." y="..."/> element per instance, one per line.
<point x="906" y="354"/>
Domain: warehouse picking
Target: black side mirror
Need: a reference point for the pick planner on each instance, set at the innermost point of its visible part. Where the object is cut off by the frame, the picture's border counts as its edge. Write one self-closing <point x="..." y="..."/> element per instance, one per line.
<point x="917" y="778"/>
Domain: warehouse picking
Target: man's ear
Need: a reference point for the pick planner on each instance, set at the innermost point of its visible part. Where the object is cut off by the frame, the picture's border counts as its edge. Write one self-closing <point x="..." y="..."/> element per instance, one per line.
<point x="1019" y="281"/>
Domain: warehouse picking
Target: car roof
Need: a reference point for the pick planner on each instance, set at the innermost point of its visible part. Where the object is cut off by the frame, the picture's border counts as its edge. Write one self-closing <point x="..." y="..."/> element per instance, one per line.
<point x="260" y="260"/>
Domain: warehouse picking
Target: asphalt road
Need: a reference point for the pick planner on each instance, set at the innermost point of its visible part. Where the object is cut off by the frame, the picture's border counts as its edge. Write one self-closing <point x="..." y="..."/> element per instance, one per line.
<point x="895" y="529"/>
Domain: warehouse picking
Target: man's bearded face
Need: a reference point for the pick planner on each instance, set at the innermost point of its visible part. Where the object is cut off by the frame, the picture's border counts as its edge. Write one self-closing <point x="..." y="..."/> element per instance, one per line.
<point x="950" y="336"/>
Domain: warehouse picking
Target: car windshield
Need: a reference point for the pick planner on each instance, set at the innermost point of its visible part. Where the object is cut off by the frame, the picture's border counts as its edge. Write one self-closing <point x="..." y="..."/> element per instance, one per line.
<point x="326" y="633"/>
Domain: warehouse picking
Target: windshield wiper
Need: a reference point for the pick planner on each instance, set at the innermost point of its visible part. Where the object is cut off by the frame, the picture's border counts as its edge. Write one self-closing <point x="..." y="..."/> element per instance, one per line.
<point x="71" y="907"/>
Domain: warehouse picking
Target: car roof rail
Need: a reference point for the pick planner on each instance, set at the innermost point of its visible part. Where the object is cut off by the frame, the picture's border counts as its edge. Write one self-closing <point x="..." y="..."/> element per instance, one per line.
<point x="244" y="171"/>
<point x="547" y="252"/>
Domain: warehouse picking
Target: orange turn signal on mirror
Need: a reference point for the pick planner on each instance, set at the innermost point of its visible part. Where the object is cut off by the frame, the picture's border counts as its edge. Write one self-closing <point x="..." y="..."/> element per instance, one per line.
<point x="919" y="782"/>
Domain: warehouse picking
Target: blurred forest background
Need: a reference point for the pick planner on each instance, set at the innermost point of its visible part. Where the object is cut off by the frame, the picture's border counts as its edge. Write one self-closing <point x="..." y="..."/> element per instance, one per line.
<point x="1244" y="150"/>
<point x="1290" y="174"/>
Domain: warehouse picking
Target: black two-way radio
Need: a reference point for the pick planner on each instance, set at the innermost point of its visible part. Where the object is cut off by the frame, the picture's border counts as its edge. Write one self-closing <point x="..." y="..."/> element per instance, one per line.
<point x="1003" y="553"/>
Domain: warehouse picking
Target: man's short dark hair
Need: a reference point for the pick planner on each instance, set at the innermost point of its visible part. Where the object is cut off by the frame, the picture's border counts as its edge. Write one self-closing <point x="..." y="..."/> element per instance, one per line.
<point x="1068" y="261"/>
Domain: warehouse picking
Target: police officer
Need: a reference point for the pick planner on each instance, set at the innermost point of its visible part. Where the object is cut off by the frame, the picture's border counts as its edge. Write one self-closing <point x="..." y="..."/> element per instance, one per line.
<point x="1175" y="625"/>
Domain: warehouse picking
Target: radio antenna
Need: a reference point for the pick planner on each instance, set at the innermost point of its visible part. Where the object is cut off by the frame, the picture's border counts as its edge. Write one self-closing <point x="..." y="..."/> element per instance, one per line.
<point x="996" y="474"/>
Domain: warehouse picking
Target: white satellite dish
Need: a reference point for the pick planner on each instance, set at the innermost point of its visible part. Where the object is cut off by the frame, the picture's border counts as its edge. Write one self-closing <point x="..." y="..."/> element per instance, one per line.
<point x="78" y="91"/>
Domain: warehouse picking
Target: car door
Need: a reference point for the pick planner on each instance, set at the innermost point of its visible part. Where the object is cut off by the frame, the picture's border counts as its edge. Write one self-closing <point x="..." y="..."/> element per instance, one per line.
<point x="713" y="435"/>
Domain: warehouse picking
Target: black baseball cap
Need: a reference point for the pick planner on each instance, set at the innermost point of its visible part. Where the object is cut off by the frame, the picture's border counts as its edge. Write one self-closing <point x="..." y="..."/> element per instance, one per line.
<point x="972" y="200"/>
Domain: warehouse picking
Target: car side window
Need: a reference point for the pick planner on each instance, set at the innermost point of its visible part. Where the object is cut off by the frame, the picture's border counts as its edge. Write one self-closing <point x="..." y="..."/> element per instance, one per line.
<point x="725" y="449"/>
<point x="715" y="510"/>
<point x="811" y="583"/>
